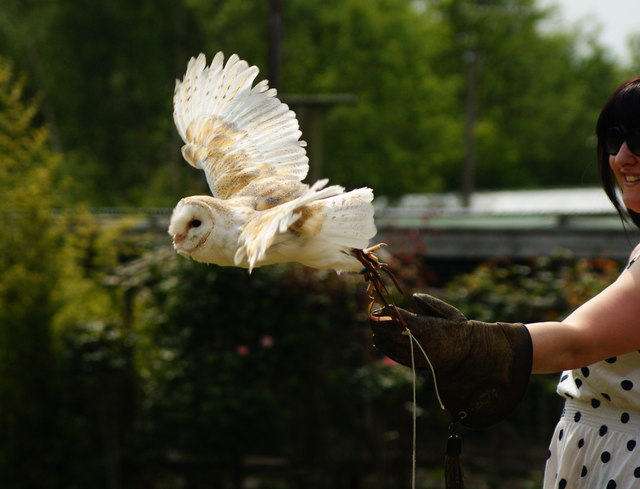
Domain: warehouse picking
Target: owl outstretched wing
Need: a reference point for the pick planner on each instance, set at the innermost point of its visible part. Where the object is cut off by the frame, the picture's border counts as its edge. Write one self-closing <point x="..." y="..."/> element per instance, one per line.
<point x="244" y="138"/>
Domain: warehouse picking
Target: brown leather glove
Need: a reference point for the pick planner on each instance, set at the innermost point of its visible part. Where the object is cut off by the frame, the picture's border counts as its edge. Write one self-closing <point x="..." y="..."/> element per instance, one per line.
<point x="481" y="369"/>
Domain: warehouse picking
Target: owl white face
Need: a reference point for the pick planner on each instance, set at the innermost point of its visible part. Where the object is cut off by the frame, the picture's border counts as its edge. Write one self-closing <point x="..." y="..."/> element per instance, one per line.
<point x="190" y="226"/>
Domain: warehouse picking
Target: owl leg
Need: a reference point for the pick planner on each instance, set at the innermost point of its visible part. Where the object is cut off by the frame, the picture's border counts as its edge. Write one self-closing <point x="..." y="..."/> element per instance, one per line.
<point x="377" y="290"/>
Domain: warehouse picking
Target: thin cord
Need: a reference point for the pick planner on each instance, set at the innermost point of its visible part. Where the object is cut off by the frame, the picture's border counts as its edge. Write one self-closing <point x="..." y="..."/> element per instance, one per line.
<point x="413" y="339"/>
<point x="415" y="419"/>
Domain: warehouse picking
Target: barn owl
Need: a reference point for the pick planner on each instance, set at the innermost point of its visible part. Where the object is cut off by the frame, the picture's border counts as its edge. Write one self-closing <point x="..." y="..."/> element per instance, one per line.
<point x="248" y="144"/>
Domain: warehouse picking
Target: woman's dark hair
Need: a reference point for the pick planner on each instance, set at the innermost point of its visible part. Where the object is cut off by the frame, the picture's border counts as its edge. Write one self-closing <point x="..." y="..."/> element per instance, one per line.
<point x="622" y="109"/>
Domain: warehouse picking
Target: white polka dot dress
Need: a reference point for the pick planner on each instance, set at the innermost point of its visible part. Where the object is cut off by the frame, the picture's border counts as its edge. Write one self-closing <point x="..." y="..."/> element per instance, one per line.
<point x="596" y="444"/>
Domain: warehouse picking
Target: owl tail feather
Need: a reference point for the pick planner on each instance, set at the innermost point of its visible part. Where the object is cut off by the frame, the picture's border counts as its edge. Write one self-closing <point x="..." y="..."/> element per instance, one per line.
<point x="350" y="222"/>
<point x="343" y="223"/>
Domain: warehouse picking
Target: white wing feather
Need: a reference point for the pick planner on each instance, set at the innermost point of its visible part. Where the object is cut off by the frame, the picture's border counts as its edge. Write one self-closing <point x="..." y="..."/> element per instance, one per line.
<point x="228" y="126"/>
<point x="248" y="144"/>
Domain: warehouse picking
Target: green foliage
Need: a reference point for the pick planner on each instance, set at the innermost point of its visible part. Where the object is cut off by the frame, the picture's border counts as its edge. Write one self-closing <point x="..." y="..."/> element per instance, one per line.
<point x="538" y="95"/>
<point x="237" y="364"/>
<point x="107" y="71"/>
<point x="47" y="283"/>
<point x="209" y="365"/>
<point x="95" y="406"/>
<point x="30" y="257"/>
<point x="546" y="289"/>
<point x="385" y="53"/>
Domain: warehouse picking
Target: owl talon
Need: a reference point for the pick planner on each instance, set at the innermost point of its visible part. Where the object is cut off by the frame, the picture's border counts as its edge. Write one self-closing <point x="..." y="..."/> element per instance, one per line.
<point x="376" y="290"/>
<point x="371" y="249"/>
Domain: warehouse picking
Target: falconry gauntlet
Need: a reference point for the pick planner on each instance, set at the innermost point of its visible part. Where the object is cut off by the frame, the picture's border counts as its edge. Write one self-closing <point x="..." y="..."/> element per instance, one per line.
<point x="481" y="369"/>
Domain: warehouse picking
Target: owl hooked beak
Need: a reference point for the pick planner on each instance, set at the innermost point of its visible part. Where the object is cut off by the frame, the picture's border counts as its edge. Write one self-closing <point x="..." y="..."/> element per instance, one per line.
<point x="178" y="238"/>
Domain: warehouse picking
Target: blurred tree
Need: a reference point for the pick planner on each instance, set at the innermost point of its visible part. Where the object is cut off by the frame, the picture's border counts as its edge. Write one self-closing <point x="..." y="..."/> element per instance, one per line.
<point x="31" y="258"/>
<point x="232" y="26"/>
<point x="538" y="92"/>
<point x="543" y="289"/>
<point x="229" y="369"/>
<point x="23" y="29"/>
<point x="420" y="71"/>
<point x="50" y="280"/>
<point x="404" y="128"/>
<point x="108" y="71"/>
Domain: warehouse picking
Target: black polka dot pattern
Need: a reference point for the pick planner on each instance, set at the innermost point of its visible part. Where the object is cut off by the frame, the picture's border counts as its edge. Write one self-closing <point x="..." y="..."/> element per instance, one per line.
<point x="621" y="373"/>
<point x="596" y="442"/>
<point x="584" y="468"/>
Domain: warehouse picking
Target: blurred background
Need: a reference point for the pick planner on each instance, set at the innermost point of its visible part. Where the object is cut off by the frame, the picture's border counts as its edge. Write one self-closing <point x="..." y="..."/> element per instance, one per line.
<point x="125" y="366"/>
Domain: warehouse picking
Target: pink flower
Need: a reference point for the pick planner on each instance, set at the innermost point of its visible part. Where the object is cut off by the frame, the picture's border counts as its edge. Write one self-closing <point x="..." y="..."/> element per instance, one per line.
<point x="242" y="350"/>
<point x="387" y="362"/>
<point x="266" y="341"/>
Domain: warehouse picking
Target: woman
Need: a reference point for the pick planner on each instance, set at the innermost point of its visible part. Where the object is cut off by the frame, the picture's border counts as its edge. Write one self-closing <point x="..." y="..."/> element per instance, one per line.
<point x="482" y="369"/>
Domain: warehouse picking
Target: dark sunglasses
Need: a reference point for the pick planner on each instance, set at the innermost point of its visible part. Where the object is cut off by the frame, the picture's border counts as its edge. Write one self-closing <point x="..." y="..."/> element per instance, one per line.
<point x="616" y="137"/>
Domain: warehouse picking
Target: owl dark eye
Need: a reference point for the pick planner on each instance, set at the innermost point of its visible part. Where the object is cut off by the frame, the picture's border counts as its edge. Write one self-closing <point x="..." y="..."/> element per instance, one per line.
<point x="195" y="223"/>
